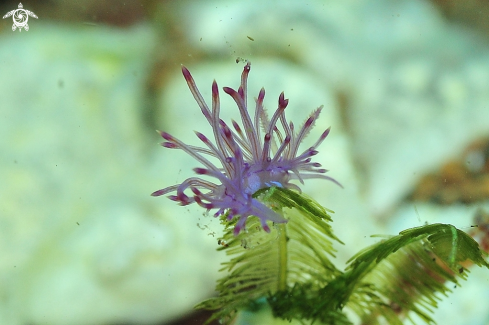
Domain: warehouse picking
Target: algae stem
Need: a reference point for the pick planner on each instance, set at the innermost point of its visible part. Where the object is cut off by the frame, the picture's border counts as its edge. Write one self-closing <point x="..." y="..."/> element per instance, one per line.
<point x="282" y="257"/>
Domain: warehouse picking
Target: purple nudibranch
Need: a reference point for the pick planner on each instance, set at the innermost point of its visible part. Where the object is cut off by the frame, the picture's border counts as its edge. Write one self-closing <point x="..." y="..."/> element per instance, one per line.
<point x="250" y="161"/>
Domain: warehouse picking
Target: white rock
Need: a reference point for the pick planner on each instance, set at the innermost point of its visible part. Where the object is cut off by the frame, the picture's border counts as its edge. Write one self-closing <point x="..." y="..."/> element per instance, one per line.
<point x="81" y="240"/>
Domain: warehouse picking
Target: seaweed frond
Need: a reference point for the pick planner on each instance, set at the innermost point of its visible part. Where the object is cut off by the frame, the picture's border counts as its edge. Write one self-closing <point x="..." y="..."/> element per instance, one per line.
<point x="296" y="254"/>
<point x="406" y="273"/>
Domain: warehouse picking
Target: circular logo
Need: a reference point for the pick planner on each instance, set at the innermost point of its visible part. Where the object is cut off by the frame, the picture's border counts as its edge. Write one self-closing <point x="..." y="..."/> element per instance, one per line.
<point x="20" y="18"/>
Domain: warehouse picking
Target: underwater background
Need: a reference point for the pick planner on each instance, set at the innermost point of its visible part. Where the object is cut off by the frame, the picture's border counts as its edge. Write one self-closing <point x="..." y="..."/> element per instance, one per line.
<point x="405" y="89"/>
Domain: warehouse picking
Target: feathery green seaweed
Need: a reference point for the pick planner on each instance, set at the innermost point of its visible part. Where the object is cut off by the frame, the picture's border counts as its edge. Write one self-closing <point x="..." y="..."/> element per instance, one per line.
<point x="263" y="264"/>
<point x="291" y="267"/>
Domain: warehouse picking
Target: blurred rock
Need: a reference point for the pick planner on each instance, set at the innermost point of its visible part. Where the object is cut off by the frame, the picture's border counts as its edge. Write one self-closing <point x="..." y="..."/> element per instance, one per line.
<point x="81" y="240"/>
